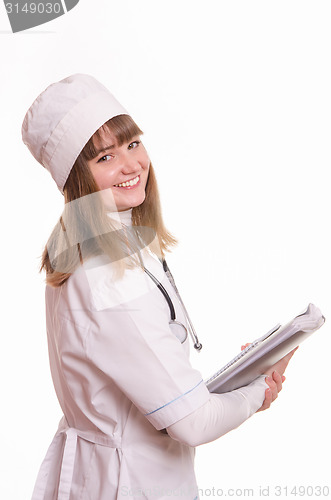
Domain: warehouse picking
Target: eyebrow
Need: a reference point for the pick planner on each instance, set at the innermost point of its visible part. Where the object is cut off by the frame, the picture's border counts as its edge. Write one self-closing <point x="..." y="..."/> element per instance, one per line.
<point x="103" y="150"/>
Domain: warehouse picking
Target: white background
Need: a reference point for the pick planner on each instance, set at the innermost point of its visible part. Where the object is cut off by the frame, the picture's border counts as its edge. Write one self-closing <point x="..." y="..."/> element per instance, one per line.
<point x="234" y="99"/>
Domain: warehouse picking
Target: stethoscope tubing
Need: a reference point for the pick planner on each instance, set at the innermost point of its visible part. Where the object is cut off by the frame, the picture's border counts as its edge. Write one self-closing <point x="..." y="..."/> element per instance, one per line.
<point x="194" y="336"/>
<point x="164" y="292"/>
<point x="196" y="343"/>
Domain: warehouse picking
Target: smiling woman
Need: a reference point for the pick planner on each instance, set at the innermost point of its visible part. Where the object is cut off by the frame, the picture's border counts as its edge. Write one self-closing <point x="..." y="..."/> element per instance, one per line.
<point x="94" y="171"/>
<point x="133" y="406"/>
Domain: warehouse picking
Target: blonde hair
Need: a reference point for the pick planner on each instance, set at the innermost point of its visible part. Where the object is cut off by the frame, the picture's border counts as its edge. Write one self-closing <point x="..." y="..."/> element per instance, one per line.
<point x="84" y="230"/>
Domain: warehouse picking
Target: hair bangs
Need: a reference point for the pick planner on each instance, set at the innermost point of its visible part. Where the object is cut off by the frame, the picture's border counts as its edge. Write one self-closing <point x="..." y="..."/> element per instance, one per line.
<point x="122" y="126"/>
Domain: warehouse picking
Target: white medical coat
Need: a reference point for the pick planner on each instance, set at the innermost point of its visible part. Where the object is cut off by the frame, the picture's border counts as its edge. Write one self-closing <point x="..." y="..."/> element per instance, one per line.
<point x="121" y="376"/>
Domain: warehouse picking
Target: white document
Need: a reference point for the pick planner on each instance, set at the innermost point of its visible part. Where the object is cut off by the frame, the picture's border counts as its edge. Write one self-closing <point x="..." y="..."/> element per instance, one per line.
<point x="265" y="352"/>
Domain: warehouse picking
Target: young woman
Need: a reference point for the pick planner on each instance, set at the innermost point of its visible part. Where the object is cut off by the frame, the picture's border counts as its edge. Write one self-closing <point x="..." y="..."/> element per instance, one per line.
<point x="134" y="408"/>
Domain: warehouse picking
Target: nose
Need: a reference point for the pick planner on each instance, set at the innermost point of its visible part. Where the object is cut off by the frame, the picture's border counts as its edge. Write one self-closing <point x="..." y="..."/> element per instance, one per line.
<point x="130" y="164"/>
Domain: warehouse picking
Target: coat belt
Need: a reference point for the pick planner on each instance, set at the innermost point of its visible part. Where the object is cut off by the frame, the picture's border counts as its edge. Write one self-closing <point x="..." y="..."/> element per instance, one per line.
<point x="68" y="460"/>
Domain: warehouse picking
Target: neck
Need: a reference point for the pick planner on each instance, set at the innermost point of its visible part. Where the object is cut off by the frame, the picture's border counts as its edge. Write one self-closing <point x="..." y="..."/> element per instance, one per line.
<point x="125" y="216"/>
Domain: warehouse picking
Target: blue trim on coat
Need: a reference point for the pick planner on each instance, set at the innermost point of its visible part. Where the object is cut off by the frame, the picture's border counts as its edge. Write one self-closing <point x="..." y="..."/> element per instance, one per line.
<point x="146" y="414"/>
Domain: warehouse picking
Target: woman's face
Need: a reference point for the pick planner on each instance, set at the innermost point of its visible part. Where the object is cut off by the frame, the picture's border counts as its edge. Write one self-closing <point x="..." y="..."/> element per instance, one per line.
<point x="123" y="169"/>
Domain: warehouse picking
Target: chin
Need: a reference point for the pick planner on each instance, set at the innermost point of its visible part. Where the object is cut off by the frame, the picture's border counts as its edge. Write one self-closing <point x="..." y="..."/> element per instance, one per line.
<point x="132" y="203"/>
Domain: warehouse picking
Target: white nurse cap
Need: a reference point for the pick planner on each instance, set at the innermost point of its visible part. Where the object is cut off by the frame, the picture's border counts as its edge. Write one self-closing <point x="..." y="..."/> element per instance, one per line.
<point x="63" y="118"/>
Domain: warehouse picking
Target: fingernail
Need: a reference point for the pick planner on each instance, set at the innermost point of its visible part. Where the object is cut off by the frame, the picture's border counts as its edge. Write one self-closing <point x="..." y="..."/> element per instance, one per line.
<point x="283" y="378"/>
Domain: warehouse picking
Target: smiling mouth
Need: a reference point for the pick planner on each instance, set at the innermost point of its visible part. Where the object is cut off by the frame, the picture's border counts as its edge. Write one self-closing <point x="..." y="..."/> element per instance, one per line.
<point x="129" y="183"/>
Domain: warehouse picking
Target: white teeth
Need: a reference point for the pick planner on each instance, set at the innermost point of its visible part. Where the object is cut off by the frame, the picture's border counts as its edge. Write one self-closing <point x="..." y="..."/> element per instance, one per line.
<point x="128" y="183"/>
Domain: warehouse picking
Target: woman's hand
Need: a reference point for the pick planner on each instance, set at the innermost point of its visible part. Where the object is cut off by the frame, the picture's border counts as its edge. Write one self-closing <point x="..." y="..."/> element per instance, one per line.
<point x="275" y="383"/>
<point x="275" y="378"/>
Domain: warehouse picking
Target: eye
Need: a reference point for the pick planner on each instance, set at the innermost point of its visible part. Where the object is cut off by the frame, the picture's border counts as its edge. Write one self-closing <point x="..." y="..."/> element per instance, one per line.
<point x="133" y="144"/>
<point x="103" y="158"/>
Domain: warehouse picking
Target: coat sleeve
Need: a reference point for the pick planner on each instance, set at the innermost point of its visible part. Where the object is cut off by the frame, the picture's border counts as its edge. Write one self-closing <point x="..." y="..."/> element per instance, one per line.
<point x="221" y="414"/>
<point x="133" y="345"/>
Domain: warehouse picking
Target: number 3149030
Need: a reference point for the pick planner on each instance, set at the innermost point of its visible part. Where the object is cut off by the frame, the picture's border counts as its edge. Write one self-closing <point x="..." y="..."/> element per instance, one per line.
<point x="34" y="8"/>
<point x="302" y="491"/>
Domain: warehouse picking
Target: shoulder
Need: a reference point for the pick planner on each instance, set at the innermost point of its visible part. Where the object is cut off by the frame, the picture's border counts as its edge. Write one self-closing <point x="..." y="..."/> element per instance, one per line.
<point x="94" y="286"/>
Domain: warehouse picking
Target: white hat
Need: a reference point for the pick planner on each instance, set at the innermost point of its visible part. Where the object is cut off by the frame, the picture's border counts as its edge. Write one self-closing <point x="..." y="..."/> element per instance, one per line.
<point x="63" y="118"/>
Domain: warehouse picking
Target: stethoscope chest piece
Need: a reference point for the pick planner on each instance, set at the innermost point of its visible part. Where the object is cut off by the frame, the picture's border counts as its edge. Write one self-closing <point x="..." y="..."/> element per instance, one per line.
<point x="178" y="329"/>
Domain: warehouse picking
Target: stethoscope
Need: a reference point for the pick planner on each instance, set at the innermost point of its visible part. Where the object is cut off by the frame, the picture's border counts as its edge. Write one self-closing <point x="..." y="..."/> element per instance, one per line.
<point x="176" y="326"/>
